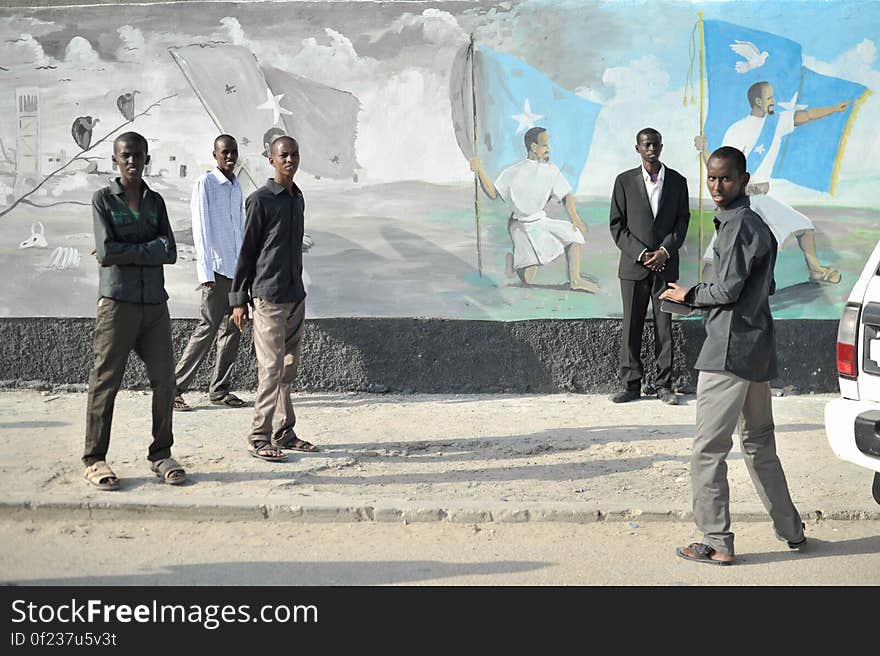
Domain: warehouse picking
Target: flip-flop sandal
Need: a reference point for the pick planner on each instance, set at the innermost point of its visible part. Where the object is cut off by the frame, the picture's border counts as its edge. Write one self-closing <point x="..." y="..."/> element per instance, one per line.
<point x="100" y="475"/>
<point x="166" y="468"/>
<point x="180" y="405"/>
<point x="700" y="553"/>
<point x="255" y="447"/>
<point x="293" y="443"/>
<point x="230" y="400"/>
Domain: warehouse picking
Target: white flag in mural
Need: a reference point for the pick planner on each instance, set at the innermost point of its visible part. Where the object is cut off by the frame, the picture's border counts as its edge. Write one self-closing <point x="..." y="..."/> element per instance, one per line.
<point x="323" y="120"/>
<point x="256" y="104"/>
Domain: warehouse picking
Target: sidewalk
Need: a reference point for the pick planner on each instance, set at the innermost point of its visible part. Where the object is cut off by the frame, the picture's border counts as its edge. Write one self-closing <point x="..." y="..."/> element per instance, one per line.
<point x="459" y="458"/>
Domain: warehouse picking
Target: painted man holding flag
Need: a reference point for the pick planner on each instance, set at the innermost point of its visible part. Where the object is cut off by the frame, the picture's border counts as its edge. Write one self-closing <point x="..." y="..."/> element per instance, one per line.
<point x="759" y="137"/>
<point x="781" y="134"/>
<point x="537" y="239"/>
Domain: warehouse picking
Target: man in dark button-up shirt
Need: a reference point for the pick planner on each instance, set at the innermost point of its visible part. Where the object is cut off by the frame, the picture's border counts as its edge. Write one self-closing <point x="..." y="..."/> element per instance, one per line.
<point x="270" y="261"/>
<point x="736" y="363"/>
<point x="133" y="240"/>
<point x="268" y="276"/>
<point x="132" y="247"/>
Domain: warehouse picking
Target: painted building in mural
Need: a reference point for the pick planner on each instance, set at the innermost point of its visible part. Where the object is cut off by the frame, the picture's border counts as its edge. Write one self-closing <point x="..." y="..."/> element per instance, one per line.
<point x="394" y="102"/>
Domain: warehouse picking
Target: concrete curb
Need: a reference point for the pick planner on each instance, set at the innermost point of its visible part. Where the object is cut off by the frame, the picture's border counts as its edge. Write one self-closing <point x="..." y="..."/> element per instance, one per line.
<point x="405" y="514"/>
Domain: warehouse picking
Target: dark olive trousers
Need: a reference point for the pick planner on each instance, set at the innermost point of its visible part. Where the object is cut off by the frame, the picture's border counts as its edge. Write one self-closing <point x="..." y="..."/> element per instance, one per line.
<point x="216" y="322"/>
<point x="121" y="327"/>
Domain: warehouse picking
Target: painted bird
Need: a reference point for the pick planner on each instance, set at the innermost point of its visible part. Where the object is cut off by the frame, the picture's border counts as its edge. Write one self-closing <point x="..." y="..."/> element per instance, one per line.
<point x="125" y="103"/>
<point x="754" y="58"/>
<point x="81" y="130"/>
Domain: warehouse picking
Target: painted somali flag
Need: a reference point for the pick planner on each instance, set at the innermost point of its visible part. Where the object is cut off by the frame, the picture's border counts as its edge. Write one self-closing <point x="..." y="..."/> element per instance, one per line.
<point x="736" y="58"/>
<point x="511" y="98"/>
<point x="257" y="103"/>
<point x="811" y="156"/>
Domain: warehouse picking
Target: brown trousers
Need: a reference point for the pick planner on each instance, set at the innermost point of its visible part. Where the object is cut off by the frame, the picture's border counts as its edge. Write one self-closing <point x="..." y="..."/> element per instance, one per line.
<point x="278" y="331"/>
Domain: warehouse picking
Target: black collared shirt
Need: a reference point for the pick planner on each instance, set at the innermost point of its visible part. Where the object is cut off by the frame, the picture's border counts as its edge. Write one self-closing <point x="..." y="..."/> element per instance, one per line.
<point x="270" y="261"/>
<point x="740" y="337"/>
<point x="132" y="249"/>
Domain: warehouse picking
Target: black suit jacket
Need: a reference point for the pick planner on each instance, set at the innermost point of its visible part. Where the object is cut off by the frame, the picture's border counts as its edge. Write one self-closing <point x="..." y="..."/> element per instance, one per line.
<point x="634" y="227"/>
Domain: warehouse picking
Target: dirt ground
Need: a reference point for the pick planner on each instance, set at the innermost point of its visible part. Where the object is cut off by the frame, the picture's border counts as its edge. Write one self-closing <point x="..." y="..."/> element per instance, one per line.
<point x="139" y="552"/>
<point x="421" y="457"/>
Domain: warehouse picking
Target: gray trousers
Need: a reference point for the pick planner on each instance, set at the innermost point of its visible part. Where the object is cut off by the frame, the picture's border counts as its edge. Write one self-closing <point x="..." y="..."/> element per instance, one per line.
<point x="216" y="320"/>
<point x="278" y="331"/>
<point x="723" y="401"/>
<point x="120" y="328"/>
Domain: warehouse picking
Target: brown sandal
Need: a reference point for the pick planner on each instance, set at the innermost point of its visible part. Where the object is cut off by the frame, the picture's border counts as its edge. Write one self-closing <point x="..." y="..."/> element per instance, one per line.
<point x="100" y="475"/>
<point x="166" y="470"/>
<point x="230" y="400"/>
<point x="702" y="553"/>
<point x="290" y="441"/>
<point x="181" y="405"/>
<point x="264" y="450"/>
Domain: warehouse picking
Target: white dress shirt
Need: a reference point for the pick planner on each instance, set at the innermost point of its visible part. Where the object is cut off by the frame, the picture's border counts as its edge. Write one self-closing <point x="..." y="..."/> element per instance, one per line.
<point x="654" y="190"/>
<point x="217" y="206"/>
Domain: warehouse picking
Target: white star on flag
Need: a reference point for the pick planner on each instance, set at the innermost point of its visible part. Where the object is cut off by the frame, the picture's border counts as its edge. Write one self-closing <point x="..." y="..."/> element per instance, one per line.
<point x="274" y="103"/>
<point x="759" y="148"/>
<point x="792" y="105"/>
<point x="527" y="119"/>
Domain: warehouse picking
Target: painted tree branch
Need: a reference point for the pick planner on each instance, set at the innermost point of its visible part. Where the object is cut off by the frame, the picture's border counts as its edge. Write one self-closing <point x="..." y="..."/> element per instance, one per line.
<point x="60" y="202"/>
<point x="79" y="155"/>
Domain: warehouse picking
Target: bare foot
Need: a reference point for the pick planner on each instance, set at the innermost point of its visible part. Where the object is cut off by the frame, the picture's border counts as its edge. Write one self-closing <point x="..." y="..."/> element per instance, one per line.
<point x="581" y="285"/>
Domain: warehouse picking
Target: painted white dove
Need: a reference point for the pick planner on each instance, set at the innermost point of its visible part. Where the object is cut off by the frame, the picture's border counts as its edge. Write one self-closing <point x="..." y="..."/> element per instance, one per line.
<point x="753" y="57"/>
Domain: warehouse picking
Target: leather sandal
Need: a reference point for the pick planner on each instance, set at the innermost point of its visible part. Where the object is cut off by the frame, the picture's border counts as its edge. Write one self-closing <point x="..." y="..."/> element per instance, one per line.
<point x="99" y="475"/>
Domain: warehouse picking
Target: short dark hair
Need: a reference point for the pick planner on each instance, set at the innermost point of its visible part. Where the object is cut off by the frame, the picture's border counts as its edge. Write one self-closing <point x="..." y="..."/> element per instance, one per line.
<point x="531" y="136"/>
<point x="277" y="139"/>
<point x="131" y="137"/>
<point x="648" y="132"/>
<point x="755" y="90"/>
<point x="733" y="155"/>
<point x="224" y="136"/>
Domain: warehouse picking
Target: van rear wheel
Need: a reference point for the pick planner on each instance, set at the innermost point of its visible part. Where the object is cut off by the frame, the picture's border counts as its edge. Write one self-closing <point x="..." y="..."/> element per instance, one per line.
<point x="876" y="488"/>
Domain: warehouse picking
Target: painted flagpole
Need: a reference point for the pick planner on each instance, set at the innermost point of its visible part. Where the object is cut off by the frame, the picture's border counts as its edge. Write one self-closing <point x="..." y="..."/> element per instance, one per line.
<point x="476" y="154"/>
<point x="702" y="136"/>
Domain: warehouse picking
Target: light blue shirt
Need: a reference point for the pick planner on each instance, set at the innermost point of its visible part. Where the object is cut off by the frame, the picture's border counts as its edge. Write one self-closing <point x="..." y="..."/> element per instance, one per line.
<point x="217" y="206"/>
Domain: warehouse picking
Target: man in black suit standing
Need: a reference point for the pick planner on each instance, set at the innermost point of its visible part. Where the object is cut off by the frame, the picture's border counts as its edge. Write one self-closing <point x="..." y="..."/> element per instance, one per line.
<point x="649" y="222"/>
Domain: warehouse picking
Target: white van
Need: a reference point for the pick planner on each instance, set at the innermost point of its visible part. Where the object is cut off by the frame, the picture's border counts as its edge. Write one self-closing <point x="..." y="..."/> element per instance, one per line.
<point x="852" y="422"/>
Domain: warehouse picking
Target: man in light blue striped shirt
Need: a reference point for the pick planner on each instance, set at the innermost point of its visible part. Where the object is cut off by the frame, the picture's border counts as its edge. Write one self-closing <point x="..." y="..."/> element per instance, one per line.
<point x="217" y="206"/>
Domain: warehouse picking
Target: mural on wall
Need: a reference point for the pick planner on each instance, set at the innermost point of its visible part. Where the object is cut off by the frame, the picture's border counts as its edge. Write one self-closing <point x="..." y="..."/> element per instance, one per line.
<point x="457" y="159"/>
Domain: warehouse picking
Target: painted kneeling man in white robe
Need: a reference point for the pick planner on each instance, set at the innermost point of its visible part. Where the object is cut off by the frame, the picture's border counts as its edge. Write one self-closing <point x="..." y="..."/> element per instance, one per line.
<point x="527" y="186"/>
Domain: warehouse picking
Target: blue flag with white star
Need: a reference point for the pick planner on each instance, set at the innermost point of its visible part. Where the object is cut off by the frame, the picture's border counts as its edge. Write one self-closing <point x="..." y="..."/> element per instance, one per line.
<point x="512" y="97"/>
<point x="737" y="57"/>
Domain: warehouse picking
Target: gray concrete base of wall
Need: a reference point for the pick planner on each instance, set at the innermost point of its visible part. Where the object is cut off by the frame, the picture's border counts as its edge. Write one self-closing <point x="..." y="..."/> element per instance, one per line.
<point x="426" y="355"/>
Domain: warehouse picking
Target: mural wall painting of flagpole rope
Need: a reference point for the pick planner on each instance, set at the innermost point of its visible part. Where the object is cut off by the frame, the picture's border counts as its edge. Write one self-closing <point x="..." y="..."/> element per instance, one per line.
<point x="397" y="104"/>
